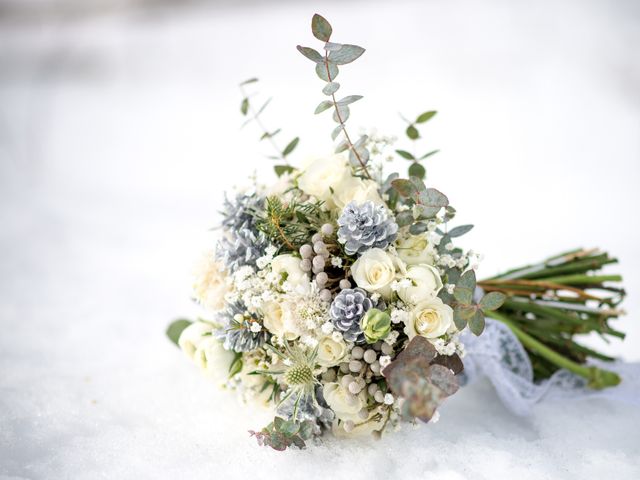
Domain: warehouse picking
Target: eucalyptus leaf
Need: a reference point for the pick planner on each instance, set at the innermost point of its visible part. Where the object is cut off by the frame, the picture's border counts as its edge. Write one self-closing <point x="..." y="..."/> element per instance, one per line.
<point x="176" y="328"/>
<point x="404" y="218"/>
<point x="405" y="154"/>
<point x="332" y="46"/>
<point x="346" y="54"/>
<point x="244" y="106"/>
<point x="361" y="142"/>
<point x="341" y="114"/>
<point x="405" y="188"/>
<point x="459" y="318"/>
<point x="321" y="28"/>
<point x="418" y="228"/>
<point x="425" y="117"/>
<point x="492" y="301"/>
<point x="331" y="88"/>
<point x="465" y="287"/>
<point x="460" y="230"/>
<point x="476" y="323"/>
<point x="349" y="99"/>
<point x="432" y="198"/>
<point x="412" y="132"/>
<point x="417" y="170"/>
<point x="342" y="146"/>
<point x="270" y="134"/>
<point x="327" y="76"/>
<point x="323" y="105"/>
<point x="311" y="54"/>
<point x="290" y="428"/>
<point x="290" y="146"/>
<point x="336" y="131"/>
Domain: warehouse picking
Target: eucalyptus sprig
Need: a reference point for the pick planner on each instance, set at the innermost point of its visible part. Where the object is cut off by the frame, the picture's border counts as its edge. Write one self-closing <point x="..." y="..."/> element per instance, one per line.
<point x="416" y="169"/>
<point x="247" y="109"/>
<point x="336" y="54"/>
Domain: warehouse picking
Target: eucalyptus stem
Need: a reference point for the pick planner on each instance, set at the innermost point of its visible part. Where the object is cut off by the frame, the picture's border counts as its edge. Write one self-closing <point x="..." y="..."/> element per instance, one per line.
<point x="341" y="121"/>
<point x="597" y="378"/>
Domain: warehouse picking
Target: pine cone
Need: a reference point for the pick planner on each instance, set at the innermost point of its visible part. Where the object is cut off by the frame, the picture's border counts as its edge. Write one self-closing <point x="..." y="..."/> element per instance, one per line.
<point x="347" y="309"/>
<point x="365" y="226"/>
<point x="241" y="247"/>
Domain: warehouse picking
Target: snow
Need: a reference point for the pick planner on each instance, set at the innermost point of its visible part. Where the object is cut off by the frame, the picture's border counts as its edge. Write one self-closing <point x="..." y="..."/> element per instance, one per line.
<point x="119" y="133"/>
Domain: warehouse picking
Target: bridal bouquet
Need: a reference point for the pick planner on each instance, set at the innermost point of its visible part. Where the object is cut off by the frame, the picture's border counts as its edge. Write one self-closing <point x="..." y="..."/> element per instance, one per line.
<point x="338" y="296"/>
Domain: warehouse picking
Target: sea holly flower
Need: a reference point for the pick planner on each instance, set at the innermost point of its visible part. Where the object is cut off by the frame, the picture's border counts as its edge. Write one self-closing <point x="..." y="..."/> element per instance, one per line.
<point x="375" y="325"/>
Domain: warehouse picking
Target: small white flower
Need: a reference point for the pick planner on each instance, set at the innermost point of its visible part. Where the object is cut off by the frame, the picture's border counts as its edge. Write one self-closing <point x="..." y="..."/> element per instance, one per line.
<point x="450" y="287"/>
<point x="449" y="246"/>
<point x="327" y="328"/>
<point x="336" y="336"/>
<point x="435" y="417"/>
<point x="336" y="262"/>
<point x="255" y="327"/>
<point x="375" y="297"/>
<point x="388" y="399"/>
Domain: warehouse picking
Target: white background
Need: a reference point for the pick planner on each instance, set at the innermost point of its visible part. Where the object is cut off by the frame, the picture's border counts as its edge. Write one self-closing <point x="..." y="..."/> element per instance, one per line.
<point x="119" y="131"/>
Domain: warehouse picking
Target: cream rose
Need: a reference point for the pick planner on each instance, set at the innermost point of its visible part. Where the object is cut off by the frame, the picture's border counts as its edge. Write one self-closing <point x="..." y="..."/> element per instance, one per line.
<point x="210" y="282"/>
<point x="344" y="404"/>
<point x="425" y="283"/>
<point x="324" y="174"/>
<point x="289" y="267"/>
<point x="374" y="271"/>
<point x="358" y="190"/>
<point x="192" y="336"/>
<point x="278" y="320"/>
<point x="430" y="319"/>
<point x="415" y="249"/>
<point x="330" y="352"/>
<point x="212" y="358"/>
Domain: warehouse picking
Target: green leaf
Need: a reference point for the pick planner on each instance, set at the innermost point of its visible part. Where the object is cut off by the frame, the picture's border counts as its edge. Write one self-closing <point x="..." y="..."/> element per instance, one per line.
<point x="349" y="99"/>
<point x="321" y="28"/>
<point x="459" y="231"/>
<point x="427" y="155"/>
<point x="432" y="200"/>
<point x="176" y="328"/>
<point x="343" y="112"/>
<point x="492" y="301"/>
<point x="236" y="365"/>
<point x="336" y="131"/>
<point x="346" y="54"/>
<point x="290" y="428"/>
<point x="323" y="105"/>
<point x="244" y="106"/>
<point x="404" y="218"/>
<point x="321" y="71"/>
<point x="247" y="82"/>
<point x="405" y="154"/>
<point x="465" y="287"/>
<point x="311" y="54"/>
<point x="418" y="228"/>
<point x="306" y="430"/>
<point x="332" y="46"/>
<point x="425" y="117"/>
<point x="290" y="147"/>
<point x="406" y="188"/>
<point x="412" y="132"/>
<point x="417" y="170"/>
<point x="342" y="146"/>
<point x="476" y="323"/>
<point x="282" y="169"/>
<point x="278" y="422"/>
<point x="331" y="88"/>
<point x="459" y="316"/>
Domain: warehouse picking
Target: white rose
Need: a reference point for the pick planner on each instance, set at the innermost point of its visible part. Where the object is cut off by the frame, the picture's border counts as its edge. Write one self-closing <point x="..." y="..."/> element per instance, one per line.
<point x="324" y="174"/>
<point x="212" y="357"/>
<point x="430" y="319"/>
<point x="331" y="352"/>
<point x="415" y="249"/>
<point x="278" y="320"/>
<point x="425" y="284"/>
<point x="358" y="190"/>
<point x="210" y="282"/>
<point x="344" y="404"/>
<point x="289" y="267"/>
<point x="362" y="427"/>
<point x="374" y="271"/>
<point x="192" y="336"/>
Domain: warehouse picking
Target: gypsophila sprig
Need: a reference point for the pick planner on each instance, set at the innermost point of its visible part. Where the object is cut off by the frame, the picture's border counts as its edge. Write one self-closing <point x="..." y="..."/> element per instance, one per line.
<point x="339" y="295"/>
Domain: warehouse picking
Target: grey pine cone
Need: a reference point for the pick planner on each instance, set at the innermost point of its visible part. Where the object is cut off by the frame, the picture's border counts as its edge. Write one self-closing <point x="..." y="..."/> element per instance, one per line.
<point x="365" y="226"/>
<point x="347" y="309"/>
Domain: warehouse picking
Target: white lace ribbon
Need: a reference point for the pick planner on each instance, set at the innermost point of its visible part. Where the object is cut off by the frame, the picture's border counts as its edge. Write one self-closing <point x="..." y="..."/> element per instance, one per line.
<point x="499" y="355"/>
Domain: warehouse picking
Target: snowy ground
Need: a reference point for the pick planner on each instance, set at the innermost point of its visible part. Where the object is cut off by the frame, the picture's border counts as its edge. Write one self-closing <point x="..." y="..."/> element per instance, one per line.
<point x="118" y="134"/>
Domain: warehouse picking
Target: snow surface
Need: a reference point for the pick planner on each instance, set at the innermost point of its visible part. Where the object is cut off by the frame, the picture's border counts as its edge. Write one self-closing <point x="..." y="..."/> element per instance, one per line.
<point x="119" y="133"/>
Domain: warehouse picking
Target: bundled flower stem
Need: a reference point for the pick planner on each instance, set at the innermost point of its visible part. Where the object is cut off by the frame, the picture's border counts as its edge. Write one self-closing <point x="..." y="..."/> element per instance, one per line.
<point x="551" y="302"/>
